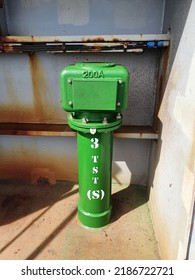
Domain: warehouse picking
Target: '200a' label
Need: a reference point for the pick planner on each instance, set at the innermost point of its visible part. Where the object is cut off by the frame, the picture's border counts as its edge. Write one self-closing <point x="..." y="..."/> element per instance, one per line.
<point x="93" y="74"/>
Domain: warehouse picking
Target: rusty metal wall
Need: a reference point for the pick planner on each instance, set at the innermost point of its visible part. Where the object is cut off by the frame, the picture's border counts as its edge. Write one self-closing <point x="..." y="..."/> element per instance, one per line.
<point x="21" y="155"/>
<point x="30" y="93"/>
<point x="30" y="82"/>
<point x="29" y="89"/>
<point x="30" y="85"/>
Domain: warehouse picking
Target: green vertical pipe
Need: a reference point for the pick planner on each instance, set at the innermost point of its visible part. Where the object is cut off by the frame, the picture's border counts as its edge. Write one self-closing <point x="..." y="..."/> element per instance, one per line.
<point x="94" y="167"/>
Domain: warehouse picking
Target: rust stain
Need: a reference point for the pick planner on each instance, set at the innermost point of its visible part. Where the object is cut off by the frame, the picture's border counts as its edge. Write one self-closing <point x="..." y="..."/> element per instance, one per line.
<point x="16" y="112"/>
<point x="8" y="39"/>
<point x="39" y="87"/>
<point x="97" y="39"/>
<point x="35" y="129"/>
<point x="114" y="39"/>
<point x="16" y="169"/>
<point x="21" y="163"/>
<point x="101" y="39"/>
<point x="8" y="48"/>
<point x="52" y="39"/>
<point x="44" y="109"/>
<point x="19" y="159"/>
<point x="13" y="111"/>
<point x="18" y="39"/>
<point x="8" y="43"/>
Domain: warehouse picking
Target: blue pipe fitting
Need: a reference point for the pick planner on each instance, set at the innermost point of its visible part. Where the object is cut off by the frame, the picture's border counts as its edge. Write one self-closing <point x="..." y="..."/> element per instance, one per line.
<point x="150" y="44"/>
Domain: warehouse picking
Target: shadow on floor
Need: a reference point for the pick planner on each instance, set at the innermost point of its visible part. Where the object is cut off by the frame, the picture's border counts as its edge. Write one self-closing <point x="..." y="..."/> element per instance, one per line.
<point x="128" y="199"/>
<point x="19" y="199"/>
<point x="123" y="202"/>
<point x="45" y="243"/>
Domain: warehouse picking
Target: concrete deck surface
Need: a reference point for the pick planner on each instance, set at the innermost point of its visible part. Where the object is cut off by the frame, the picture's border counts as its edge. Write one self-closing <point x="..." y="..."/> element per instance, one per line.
<point x="40" y="222"/>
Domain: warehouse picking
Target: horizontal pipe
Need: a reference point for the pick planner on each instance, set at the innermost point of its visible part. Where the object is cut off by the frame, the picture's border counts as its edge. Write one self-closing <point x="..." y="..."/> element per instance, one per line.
<point x="80" y="47"/>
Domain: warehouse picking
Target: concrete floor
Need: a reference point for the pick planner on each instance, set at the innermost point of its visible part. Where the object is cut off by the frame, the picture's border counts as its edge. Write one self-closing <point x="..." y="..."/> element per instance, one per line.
<point x="40" y="222"/>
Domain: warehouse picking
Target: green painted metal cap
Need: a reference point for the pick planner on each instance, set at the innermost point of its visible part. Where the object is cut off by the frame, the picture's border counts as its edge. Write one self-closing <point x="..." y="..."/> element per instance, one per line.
<point x="94" y="86"/>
